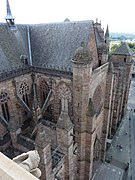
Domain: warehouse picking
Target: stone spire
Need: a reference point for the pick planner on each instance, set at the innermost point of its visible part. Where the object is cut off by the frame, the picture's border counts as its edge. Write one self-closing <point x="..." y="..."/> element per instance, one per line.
<point x="107" y="32"/>
<point x="9" y="14"/>
<point x="9" y="18"/>
<point x="35" y="101"/>
<point x="43" y="146"/>
<point x="64" y="121"/>
<point x="41" y="139"/>
<point x="64" y="130"/>
<point x="36" y="110"/>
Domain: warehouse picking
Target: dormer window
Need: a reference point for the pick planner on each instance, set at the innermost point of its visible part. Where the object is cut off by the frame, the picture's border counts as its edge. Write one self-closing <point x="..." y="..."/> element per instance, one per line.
<point x="11" y="24"/>
<point x="24" y="59"/>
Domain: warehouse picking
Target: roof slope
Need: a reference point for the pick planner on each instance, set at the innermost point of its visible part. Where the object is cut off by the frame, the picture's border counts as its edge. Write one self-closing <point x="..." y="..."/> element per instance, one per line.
<point x="13" y="44"/>
<point x="98" y="37"/>
<point x="54" y="45"/>
<point x="124" y="49"/>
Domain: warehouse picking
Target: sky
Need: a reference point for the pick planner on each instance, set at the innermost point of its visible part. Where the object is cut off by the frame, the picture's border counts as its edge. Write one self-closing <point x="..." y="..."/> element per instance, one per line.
<point x="118" y="14"/>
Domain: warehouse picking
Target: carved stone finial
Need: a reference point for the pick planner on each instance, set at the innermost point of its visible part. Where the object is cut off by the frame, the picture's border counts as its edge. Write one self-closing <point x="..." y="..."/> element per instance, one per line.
<point x="29" y="161"/>
<point x="41" y="139"/>
<point x="82" y="55"/>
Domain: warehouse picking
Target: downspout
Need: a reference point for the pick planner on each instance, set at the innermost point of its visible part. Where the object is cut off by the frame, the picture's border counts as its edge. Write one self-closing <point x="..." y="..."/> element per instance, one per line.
<point x="29" y="45"/>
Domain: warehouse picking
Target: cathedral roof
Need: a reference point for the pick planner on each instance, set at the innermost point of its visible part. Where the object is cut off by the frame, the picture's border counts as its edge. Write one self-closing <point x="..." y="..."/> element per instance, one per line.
<point x="124" y="49"/>
<point x="48" y="45"/>
<point x="13" y="44"/>
<point x="55" y="44"/>
<point x="99" y="39"/>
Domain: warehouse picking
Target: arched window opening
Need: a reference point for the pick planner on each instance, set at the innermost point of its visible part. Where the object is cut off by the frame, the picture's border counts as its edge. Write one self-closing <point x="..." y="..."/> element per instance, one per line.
<point x="4" y="105"/>
<point x="23" y="92"/>
<point x="44" y="90"/>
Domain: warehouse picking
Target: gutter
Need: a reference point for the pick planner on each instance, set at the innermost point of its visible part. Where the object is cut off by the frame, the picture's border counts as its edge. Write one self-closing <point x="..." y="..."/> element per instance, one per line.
<point x="29" y="45"/>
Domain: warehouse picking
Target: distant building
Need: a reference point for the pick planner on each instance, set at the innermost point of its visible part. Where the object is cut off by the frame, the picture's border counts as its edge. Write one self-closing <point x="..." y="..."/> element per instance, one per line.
<point x="60" y="95"/>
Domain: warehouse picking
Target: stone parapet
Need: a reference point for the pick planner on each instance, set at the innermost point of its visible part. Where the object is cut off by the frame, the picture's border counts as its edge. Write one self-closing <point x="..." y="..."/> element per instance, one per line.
<point x="12" y="171"/>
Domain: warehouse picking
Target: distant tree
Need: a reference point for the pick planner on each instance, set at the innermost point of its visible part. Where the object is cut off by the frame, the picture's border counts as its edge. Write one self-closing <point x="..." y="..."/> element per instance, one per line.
<point x="131" y="45"/>
<point x="113" y="47"/>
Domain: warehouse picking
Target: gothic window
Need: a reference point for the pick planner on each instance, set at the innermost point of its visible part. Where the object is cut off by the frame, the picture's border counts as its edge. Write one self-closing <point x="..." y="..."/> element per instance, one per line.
<point x="23" y="91"/>
<point x="4" y="105"/>
<point x="44" y="90"/>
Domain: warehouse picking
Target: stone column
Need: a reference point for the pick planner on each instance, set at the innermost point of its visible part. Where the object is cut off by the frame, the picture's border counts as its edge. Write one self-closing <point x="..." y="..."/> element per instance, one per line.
<point x="65" y="139"/>
<point x="15" y="130"/>
<point x="43" y="146"/>
<point x="82" y="69"/>
<point x="107" y="110"/>
<point x="89" y="140"/>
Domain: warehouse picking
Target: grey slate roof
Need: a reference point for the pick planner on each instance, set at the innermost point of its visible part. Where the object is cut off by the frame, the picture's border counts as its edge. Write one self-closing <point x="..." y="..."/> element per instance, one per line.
<point x="99" y="39"/>
<point x="55" y="44"/>
<point x="124" y="49"/>
<point x="13" y="44"/>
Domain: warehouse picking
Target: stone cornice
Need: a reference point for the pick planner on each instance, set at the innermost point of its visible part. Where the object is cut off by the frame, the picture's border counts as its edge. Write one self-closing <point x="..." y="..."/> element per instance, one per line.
<point x="12" y="73"/>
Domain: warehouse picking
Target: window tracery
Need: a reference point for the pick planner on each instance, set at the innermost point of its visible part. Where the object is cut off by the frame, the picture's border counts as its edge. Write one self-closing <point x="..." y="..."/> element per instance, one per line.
<point x="4" y="105"/>
<point x="23" y="92"/>
<point x="65" y="97"/>
<point x="44" y="90"/>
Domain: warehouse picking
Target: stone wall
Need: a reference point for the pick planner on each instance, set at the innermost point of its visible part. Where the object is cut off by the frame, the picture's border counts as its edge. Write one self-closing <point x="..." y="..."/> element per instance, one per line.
<point x="88" y="129"/>
<point x="93" y="47"/>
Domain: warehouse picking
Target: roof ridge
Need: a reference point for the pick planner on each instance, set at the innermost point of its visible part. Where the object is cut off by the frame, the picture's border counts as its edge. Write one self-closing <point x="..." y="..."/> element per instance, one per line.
<point x="67" y="22"/>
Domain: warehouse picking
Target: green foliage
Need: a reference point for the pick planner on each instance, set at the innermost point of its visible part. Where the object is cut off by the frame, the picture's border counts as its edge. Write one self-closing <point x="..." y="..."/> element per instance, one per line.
<point x="131" y="45"/>
<point x="113" y="46"/>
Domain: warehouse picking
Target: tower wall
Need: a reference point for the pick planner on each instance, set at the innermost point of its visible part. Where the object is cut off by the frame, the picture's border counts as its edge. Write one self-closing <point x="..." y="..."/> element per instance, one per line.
<point x="88" y="84"/>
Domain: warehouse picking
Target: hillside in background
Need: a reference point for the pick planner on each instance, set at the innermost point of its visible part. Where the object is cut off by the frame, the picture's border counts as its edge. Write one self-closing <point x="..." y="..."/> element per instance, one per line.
<point x="122" y="36"/>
